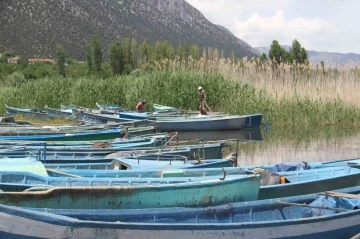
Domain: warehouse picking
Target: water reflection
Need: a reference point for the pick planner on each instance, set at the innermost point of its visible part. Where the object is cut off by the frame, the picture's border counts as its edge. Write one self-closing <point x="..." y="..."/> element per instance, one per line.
<point x="295" y="144"/>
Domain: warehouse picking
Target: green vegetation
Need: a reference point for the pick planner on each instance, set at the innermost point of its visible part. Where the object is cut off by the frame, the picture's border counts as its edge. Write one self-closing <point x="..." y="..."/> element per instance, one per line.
<point x="297" y="54"/>
<point x="178" y="89"/>
<point x="287" y="93"/>
<point x="60" y="60"/>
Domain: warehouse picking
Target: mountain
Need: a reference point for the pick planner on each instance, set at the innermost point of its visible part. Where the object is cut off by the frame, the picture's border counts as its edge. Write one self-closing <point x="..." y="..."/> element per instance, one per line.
<point x="32" y="28"/>
<point x="330" y="59"/>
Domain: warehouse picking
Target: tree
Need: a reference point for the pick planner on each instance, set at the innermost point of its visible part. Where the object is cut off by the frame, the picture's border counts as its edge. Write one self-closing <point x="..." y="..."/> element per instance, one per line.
<point x="180" y="53"/>
<point x="186" y="51"/>
<point x="194" y="52"/>
<point x="204" y="55"/>
<point x="146" y="51"/>
<point x="233" y="57"/>
<point x="6" y="55"/>
<point x="276" y="52"/>
<point x="263" y="58"/>
<point x="134" y="53"/>
<point x="298" y="53"/>
<point x="117" y="57"/>
<point x="89" y="58"/>
<point x="60" y="59"/>
<point x="97" y="53"/>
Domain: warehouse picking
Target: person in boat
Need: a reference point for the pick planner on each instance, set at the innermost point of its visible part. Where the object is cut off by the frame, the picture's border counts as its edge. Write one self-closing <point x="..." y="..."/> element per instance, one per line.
<point x="202" y="107"/>
<point x="140" y="106"/>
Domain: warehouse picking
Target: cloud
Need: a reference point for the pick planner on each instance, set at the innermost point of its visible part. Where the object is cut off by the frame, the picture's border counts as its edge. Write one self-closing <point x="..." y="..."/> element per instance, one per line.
<point x="313" y="33"/>
<point x="206" y="6"/>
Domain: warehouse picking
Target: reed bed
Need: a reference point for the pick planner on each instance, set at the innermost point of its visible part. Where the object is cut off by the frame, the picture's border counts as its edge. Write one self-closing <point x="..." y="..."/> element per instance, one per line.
<point x="285" y="94"/>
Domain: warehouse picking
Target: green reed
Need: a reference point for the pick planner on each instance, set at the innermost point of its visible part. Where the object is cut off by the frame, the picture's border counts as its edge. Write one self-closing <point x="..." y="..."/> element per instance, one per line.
<point x="179" y="89"/>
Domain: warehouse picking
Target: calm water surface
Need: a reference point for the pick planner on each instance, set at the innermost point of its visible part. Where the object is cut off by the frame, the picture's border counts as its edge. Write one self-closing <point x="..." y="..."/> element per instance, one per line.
<point x="301" y="144"/>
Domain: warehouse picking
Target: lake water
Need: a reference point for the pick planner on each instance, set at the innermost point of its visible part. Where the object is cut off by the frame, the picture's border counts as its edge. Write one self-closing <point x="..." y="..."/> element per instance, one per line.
<point x="301" y="144"/>
<point x="292" y="144"/>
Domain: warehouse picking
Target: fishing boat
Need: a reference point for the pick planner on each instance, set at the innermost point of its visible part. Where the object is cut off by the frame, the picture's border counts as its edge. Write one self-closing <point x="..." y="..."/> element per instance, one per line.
<point x="292" y="217"/>
<point x="58" y="113"/>
<point x="193" y="194"/>
<point x="27" y="112"/>
<point x="108" y="118"/>
<point x="163" y="108"/>
<point x="109" y="107"/>
<point x="132" y="163"/>
<point x="91" y="135"/>
<point x="209" y="123"/>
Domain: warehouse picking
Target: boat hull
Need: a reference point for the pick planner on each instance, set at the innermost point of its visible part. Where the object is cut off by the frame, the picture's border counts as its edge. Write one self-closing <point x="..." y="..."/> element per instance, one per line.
<point x="15" y="224"/>
<point x="212" y="124"/>
<point x="190" y="194"/>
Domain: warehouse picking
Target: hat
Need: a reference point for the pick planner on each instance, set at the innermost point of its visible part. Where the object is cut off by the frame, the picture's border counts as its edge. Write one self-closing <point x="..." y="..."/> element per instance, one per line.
<point x="200" y="88"/>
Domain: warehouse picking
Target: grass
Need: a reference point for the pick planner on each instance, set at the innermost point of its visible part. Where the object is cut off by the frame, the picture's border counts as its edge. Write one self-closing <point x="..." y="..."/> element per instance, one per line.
<point x="177" y="87"/>
<point x="55" y="121"/>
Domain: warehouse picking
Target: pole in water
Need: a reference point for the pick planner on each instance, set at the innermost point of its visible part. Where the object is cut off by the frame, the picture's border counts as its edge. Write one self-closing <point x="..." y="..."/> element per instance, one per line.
<point x="237" y="152"/>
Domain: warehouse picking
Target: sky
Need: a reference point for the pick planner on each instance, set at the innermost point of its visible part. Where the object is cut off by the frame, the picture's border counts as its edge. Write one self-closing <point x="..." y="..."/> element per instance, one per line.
<point x="320" y="25"/>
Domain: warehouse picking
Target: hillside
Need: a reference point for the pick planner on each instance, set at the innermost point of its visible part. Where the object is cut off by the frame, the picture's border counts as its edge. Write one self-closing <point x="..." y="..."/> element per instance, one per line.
<point x="33" y="28"/>
<point x="331" y="59"/>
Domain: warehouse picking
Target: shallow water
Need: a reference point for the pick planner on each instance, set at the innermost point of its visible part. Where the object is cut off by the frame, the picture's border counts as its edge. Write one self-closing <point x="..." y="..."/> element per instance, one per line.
<point x="293" y="144"/>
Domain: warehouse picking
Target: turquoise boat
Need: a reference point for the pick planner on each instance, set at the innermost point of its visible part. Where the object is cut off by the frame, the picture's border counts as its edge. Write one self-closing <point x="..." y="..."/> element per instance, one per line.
<point x="163" y="108"/>
<point x="91" y="135"/>
<point x="285" y="218"/>
<point x="191" y="194"/>
<point x="131" y="164"/>
<point x="19" y="181"/>
<point x="109" y="107"/>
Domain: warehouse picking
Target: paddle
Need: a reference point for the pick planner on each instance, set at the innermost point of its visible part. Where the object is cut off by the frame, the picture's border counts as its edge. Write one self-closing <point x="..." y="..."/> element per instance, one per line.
<point x="345" y="195"/>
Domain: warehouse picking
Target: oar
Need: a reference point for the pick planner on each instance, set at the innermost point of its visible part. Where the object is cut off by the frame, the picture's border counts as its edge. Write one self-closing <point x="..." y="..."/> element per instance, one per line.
<point x="315" y="207"/>
<point x="207" y="106"/>
<point x="345" y="195"/>
<point x="64" y="174"/>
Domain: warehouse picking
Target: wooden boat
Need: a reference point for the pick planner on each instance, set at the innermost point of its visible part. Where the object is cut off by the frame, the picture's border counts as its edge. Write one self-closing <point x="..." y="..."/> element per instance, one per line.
<point x="91" y="135"/>
<point x="163" y="108"/>
<point x="150" y="173"/>
<point x="300" y="182"/>
<point x="108" y="118"/>
<point x="19" y="181"/>
<point x="28" y="112"/>
<point x="198" y="193"/>
<point x="58" y="113"/>
<point x="131" y="164"/>
<point x="280" y="218"/>
<point x="210" y="124"/>
<point x="109" y="107"/>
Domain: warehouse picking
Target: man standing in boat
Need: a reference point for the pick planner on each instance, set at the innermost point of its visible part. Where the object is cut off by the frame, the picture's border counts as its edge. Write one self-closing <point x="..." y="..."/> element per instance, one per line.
<point x="202" y="107"/>
<point x="140" y="106"/>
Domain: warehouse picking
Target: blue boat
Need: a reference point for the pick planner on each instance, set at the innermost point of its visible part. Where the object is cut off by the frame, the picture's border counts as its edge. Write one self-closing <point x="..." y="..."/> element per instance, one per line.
<point x="209" y="123"/>
<point x="131" y="164"/>
<point x="206" y="192"/>
<point x="107" y="118"/>
<point x="27" y="112"/>
<point x="58" y="113"/>
<point x="19" y="181"/>
<point x="286" y="218"/>
<point x="91" y="135"/>
<point x="109" y="107"/>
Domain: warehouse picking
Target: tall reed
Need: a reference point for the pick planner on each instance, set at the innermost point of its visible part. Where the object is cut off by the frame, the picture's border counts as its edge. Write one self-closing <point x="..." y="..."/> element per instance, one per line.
<point x="178" y="87"/>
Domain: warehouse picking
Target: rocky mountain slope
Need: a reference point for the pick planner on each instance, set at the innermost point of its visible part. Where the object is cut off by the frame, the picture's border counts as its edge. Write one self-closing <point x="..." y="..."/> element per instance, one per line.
<point x="33" y="27"/>
<point x="330" y="59"/>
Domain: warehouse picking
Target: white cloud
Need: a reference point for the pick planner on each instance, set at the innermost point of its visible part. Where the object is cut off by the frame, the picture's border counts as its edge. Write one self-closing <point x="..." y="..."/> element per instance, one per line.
<point x="313" y="33"/>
